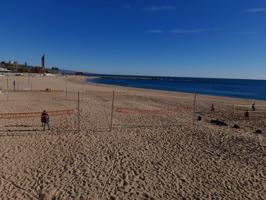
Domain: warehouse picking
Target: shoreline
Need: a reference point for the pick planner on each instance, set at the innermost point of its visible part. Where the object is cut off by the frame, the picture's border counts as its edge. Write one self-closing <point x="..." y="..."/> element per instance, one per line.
<point x="174" y="91"/>
<point x="179" y="93"/>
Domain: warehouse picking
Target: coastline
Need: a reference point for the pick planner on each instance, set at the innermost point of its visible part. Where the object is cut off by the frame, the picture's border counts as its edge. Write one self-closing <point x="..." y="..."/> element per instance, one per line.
<point x="178" y="93"/>
<point x="202" y="86"/>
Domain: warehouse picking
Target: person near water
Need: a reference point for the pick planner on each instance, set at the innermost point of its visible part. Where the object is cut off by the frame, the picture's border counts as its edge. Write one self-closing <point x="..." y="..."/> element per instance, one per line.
<point x="253" y="106"/>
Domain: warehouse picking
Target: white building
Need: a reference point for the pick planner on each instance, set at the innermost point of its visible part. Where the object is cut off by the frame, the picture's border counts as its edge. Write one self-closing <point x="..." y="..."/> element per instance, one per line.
<point x="3" y="70"/>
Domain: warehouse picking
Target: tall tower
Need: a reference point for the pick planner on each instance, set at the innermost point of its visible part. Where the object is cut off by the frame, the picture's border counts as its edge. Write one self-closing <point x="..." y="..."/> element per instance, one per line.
<point x="43" y="61"/>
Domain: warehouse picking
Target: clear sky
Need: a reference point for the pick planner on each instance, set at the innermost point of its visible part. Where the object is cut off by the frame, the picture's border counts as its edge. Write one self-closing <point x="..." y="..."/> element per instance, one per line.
<point x="195" y="38"/>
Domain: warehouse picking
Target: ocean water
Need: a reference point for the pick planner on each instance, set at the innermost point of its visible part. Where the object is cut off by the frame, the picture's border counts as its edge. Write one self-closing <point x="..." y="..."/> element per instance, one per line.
<point x="239" y="88"/>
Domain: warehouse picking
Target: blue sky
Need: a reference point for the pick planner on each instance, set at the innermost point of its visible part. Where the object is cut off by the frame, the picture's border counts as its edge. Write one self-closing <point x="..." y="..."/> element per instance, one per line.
<point x="195" y="38"/>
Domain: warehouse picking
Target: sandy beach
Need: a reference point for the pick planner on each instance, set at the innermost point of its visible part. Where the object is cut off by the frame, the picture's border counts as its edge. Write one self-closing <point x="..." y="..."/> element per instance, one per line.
<point x="152" y="152"/>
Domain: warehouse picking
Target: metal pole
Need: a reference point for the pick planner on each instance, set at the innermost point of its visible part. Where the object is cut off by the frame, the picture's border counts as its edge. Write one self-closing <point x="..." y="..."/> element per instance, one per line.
<point x="78" y="114"/>
<point x="82" y="93"/>
<point x="194" y="108"/>
<point x="7" y="89"/>
<point x="66" y="89"/>
<point x="112" y="111"/>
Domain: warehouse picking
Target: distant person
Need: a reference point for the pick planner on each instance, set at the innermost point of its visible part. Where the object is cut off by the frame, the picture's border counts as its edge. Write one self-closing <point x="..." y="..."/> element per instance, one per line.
<point x="14" y="84"/>
<point x="246" y="114"/>
<point x="253" y="106"/>
<point x="45" y="120"/>
<point x="212" y="108"/>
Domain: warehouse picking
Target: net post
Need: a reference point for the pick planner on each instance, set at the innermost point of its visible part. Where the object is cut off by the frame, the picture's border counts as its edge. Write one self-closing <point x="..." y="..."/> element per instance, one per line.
<point x="82" y="93"/>
<point x="28" y="79"/>
<point x="78" y="114"/>
<point x="112" y="111"/>
<point x="7" y="89"/>
<point x="194" y="108"/>
<point x="31" y="83"/>
<point x="66" y="88"/>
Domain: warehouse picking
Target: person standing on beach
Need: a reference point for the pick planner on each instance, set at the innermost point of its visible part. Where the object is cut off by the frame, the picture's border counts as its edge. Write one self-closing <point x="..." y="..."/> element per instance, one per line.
<point x="212" y="108"/>
<point x="253" y="106"/>
<point x="45" y="120"/>
<point x="246" y="114"/>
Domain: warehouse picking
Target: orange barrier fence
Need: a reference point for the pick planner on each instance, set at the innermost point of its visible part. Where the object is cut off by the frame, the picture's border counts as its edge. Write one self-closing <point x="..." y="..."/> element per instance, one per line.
<point x="35" y="114"/>
<point x="45" y="91"/>
<point x="150" y="112"/>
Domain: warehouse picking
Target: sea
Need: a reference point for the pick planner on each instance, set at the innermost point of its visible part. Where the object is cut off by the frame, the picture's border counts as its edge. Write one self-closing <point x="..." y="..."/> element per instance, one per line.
<point x="238" y="88"/>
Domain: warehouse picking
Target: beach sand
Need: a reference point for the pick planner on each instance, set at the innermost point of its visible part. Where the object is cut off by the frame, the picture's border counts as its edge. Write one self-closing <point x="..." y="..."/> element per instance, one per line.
<point x="152" y="152"/>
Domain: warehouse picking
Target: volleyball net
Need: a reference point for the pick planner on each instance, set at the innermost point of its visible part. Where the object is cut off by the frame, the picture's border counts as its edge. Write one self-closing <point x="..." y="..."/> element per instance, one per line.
<point x="256" y="110"/>
<point x="22" y="115"/>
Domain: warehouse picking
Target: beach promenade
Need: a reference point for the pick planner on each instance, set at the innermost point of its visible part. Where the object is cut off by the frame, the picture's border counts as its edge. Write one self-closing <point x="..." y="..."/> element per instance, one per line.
<point x="137" y="144"/>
